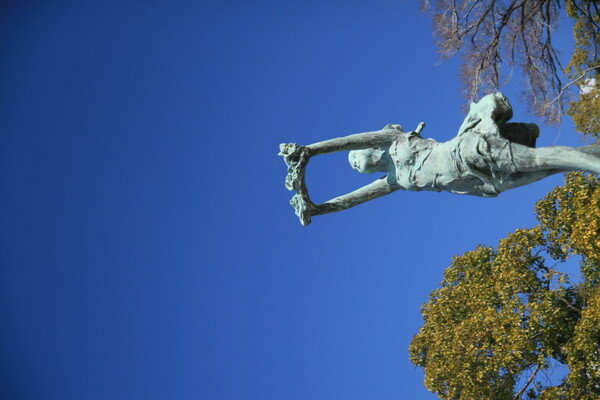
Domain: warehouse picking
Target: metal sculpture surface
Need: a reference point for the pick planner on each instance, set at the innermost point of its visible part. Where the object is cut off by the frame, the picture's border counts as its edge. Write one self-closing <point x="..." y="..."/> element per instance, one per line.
<point x="488" y="156"/>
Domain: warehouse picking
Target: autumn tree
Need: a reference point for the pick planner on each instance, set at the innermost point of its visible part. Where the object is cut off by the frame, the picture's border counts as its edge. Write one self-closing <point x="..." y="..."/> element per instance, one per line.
<point x="503" y="317"/>
<point x="497" y="38"/>
<point x="585" y="110"/>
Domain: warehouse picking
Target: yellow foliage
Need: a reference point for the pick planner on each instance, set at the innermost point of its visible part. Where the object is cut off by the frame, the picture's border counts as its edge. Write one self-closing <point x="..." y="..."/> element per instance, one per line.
<point x="502" y="314"/>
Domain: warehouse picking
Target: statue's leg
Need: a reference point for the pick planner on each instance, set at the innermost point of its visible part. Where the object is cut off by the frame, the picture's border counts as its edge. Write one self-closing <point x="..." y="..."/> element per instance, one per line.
<point x="593" y="149"/>
<point x="559" y="158"/>
<point x="518" y="179"/>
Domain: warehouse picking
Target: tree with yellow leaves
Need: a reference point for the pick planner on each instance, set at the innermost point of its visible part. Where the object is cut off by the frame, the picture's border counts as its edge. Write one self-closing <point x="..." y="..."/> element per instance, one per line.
<point x="503" y="317"/>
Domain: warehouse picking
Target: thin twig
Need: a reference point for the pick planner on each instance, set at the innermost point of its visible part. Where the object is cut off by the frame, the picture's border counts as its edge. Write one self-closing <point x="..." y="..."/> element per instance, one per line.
<point x="571" y="306"/>
<point x="585" y="71"/>
<point x="535" y="371"/>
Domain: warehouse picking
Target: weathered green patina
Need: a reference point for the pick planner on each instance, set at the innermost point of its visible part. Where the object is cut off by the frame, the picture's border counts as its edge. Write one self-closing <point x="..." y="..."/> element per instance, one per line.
<point x="488" y="156"/>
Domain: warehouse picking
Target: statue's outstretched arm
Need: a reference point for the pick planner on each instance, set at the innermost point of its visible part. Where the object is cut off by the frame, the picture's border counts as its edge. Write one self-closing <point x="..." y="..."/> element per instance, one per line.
<point x="306" y="209"/>
<point x="366" y="140"/>
<point x="373" y="190"/>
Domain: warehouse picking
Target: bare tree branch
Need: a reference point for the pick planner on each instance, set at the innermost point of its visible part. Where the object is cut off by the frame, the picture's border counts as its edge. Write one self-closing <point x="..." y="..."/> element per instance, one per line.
<point x="533" y="374"/>
<point x="497" y="37"/>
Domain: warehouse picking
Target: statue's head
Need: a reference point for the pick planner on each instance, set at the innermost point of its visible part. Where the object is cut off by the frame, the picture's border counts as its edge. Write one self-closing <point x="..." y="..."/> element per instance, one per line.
<point x="369" y="161"/>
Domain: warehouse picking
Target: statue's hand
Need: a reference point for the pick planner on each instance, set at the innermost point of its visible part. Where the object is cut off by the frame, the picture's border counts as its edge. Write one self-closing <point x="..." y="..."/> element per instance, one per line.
<point x="303" y="207"/>
<point x="296" y="157"/>
<point x="292" y="153"/>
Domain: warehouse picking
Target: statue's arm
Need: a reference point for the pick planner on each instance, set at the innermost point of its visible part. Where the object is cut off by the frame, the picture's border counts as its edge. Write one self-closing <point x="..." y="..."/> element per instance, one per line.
<point x="366" y="140"/>
<point x="306" y="209"/>
<point x="373" y="190"/>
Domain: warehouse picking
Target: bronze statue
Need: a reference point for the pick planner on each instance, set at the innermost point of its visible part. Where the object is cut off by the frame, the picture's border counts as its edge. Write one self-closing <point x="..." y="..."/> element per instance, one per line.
<point x="488" y="156"/>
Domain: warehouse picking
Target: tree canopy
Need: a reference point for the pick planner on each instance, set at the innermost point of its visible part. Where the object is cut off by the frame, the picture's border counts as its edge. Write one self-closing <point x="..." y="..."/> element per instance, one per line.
<point x="495" y="38"/>
<point x="503" y="317"/>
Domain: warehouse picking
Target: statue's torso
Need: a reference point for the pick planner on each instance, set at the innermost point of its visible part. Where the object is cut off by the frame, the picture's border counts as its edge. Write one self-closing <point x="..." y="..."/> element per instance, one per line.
<point x="471" y="163"/>
<point x="409" y="153"/>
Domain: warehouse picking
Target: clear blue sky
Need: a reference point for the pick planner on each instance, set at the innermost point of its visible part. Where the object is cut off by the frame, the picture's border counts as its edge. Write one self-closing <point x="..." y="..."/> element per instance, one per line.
<point x="147" y="247"/>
